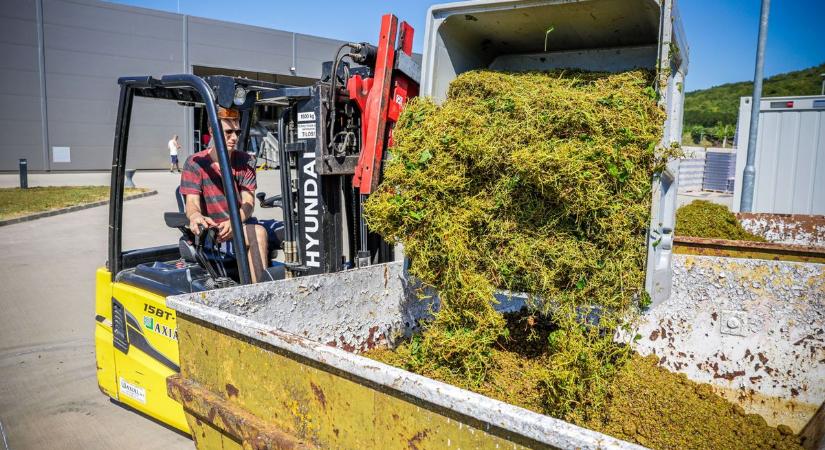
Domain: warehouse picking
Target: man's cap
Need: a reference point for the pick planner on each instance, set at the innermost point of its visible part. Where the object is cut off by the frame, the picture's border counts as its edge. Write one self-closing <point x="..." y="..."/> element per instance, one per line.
<point x="225" y="113"/>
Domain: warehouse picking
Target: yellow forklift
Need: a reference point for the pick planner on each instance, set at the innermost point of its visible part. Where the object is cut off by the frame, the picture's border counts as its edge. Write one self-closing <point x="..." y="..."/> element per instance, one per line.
<point x="135" y="334"/>
<point x="331" y="139"/>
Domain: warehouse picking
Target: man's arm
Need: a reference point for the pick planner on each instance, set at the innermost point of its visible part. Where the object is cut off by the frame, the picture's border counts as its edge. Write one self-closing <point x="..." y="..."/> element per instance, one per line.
<point x="247" y="205"/>
<point x="194" y="214"/>
<point x="247" y="208"/>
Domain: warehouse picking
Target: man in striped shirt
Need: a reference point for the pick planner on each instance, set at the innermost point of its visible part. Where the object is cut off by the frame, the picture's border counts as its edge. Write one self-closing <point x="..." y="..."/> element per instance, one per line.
<point x="202" y="186"/>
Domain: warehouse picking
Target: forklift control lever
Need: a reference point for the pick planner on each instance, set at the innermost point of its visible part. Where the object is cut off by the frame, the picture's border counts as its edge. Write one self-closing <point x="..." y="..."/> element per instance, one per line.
<point x="271" y="202"/>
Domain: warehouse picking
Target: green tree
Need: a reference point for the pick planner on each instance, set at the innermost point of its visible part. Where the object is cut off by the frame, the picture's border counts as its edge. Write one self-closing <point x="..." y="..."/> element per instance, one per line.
<point x="697" y="133"/>
<point x="721" y="103"/>
<point x="721" y="132"/>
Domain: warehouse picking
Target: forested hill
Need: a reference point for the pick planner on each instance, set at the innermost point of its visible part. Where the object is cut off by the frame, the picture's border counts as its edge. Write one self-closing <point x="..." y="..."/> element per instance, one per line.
<point x="720" y="104"/>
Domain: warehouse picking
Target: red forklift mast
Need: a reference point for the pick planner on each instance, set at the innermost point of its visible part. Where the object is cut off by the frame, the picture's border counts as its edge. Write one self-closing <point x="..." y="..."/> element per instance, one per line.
<point x="333" y="139"/>
<point x="381" y="99"/>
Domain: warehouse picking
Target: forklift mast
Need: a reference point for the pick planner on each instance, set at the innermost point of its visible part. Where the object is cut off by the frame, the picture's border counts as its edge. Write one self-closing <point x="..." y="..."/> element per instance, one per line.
<point x="333" y="138"/>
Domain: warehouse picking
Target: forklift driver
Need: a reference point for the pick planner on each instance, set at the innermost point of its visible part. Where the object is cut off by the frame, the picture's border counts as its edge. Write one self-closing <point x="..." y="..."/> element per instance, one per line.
<point x="206" y="204"/>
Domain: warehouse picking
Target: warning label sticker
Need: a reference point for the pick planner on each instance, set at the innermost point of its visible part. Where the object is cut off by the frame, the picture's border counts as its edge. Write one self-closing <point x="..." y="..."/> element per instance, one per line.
<point x="134" y="392"/>
<point x="306" y="130"/>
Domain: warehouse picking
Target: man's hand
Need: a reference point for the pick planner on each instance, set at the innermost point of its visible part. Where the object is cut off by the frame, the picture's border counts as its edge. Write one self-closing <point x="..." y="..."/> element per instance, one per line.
<point x="224" y="231"/>
<point x="198" y="220"/>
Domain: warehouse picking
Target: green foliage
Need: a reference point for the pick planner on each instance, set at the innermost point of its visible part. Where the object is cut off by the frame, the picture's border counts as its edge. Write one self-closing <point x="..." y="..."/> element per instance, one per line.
<point x="663" y="410"/>
<point x="697" y="133"/>
<point x="720" y="104"/>
<point x="538" y="183"/>
<point x="705" y="219"/>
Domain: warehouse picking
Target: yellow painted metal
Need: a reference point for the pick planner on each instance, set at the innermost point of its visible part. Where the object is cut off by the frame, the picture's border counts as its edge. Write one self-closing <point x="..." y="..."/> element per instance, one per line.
<point x="104" y="350"/>
<point x="228" y="419"/>
<point x="136" y="370"/>
<point x="313" y="402"/>
<point x="207" y="436"/>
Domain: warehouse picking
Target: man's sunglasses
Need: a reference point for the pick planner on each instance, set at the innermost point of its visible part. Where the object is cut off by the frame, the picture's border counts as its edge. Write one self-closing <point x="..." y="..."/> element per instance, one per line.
<point x="235" y="132"/>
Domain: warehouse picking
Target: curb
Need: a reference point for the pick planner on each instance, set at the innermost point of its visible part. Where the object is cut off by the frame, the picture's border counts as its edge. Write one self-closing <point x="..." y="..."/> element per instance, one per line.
<point x="69" y="209"/>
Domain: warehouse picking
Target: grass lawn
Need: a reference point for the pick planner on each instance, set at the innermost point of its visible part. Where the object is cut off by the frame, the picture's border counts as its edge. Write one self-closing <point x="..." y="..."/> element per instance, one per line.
<point x="16" y="202"/>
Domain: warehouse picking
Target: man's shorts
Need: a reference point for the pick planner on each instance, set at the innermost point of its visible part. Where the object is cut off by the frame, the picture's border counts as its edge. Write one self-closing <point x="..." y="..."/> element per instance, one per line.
<point x="174" y="158"/>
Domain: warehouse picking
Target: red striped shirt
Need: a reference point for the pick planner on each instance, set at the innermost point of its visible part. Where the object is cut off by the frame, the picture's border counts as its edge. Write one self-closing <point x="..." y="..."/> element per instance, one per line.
<point x="202" y="176"/>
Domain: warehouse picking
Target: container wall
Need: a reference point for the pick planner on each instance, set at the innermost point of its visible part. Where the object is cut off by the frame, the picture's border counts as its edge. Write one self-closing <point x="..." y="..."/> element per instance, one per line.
<point x="597" y="35"/>
<point x="753" y="329"/>
<point x="789" y="229"/>
<point x="301" y="337"/>
<point x="790" y="155"/>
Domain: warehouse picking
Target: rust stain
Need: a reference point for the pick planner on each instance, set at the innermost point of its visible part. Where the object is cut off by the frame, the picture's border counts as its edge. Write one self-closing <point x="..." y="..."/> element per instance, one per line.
<point x="714" y="315"/>
<point x="654" y="335"/>
<point x="416" y="439"/>
<point x="371" y="338"/>
<point x="319" y="394"/>
<point x="762" y="357"/>
<point x="729" y="375"/>
<point x="345" y="346"/>
<point x="231" y="390"/>
<point x="747" y="249"/>
<point x="806" y="338"/>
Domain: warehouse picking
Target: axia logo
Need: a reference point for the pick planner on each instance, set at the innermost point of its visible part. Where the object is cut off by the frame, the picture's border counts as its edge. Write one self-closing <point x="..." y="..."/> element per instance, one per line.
<point x="163" y="330"/>
<point x="150" y="323"/>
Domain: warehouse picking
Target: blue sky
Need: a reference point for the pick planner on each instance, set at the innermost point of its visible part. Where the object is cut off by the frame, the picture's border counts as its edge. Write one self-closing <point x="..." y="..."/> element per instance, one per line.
<point x="721" y="33"/>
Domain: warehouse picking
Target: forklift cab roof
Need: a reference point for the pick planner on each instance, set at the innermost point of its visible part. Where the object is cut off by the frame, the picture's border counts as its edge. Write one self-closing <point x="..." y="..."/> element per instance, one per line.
<point x="224" y="90"/>
<point x="186" y="89"/>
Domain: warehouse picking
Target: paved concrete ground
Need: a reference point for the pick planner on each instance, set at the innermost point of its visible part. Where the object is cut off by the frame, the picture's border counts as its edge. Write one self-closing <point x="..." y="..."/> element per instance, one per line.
<point x="48" y="389"/>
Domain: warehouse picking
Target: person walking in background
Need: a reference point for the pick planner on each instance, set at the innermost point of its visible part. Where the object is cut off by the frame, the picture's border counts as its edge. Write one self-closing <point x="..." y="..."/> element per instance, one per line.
<point x="174" y="145"/>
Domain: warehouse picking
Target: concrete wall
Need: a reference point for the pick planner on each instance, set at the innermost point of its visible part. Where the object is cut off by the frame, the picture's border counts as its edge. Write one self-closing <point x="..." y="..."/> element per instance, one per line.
<point x="87" y="45"/>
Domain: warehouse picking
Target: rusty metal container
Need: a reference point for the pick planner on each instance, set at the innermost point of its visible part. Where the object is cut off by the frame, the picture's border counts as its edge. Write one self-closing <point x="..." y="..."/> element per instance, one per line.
<point x="275" y="365"/>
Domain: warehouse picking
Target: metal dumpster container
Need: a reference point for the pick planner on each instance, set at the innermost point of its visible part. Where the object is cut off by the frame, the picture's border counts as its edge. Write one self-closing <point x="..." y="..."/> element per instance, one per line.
<point x="275" y="365"/>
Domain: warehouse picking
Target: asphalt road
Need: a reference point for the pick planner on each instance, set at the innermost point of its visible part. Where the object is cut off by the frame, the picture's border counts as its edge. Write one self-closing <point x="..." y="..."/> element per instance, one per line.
<point x="48" y="389"/>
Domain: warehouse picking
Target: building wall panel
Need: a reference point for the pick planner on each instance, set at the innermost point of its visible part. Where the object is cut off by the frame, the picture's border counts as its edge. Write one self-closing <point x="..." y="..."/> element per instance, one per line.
<point x="88" y="44"/>
<point x="20" y="86"/>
